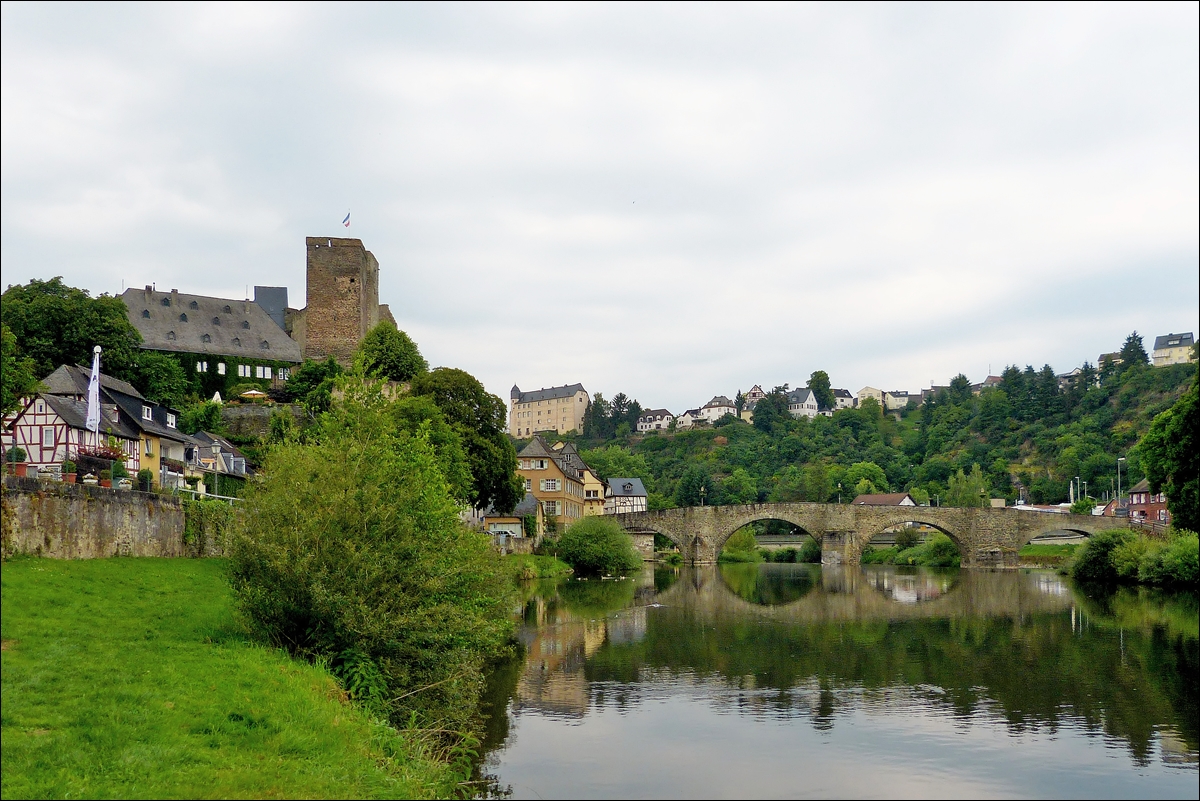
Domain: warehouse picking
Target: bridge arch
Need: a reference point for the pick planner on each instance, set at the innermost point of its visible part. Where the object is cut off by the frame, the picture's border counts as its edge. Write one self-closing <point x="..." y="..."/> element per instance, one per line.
<point x="867" y="535"/>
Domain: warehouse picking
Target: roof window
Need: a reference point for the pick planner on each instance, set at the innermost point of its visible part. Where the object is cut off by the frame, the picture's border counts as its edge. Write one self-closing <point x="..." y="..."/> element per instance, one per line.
<point x="193" y="305"/>
<point x="166" y="301"/>
<point x="245" y="323"/>
<point x="228" y="310"/>
<point x="171" y="335"/>
<point x="146" y="313"/>
<point x="206" y="338"/>
<point x="183" y="317"/>
<point x="216" y="321"/>
<point x="237" y="342"/>
<point x="265" y="345"/>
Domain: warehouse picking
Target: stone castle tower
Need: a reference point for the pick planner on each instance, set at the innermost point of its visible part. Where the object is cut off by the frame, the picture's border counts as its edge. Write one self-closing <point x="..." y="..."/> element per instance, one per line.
<point x="343" y="299"/>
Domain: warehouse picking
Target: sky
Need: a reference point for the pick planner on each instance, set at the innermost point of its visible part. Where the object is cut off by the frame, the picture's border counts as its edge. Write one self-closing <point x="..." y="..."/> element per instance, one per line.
<point x="670" y="201"/>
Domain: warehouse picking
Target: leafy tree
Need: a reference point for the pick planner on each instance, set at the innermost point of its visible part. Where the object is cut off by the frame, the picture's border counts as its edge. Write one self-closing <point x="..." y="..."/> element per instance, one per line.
<point x="390" y="353"/>
<point x="818" y="382"/>
<point x="772" y="410"/>
<point x="161" y="378"/>
<point x="203" y="416"/>
<point x="598" y="545"/>
<point x="1171" y="457"/>
<point x="479" y="418"/>
<point x="18" y="374"/>
<point x="959" y="390"/>
<point x="870" y="473"/>
<point x="695" y="488"/>
<point x="739" y="402"/>
<point x="55" y="324"/>
<point x="351" y="551"/>
<point x="740" y="487"/>
<point x="597" y="417"/>
<point x="614" y="461"/>
<point x="420" y="416"/>
<point x="967" y="490"/>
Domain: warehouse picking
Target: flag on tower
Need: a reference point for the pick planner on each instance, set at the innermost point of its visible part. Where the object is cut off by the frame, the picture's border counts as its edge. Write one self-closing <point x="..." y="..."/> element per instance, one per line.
<point x="346" y="222"/>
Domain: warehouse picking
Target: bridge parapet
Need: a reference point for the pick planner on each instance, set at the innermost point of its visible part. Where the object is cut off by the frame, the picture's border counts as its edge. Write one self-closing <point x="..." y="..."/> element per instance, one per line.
<point x="985" y="537"/>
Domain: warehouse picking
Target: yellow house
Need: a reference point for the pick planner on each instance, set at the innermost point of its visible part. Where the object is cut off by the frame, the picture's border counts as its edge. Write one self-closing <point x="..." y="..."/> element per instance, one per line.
<point x="558" y="410"/>
<point x="593" y="486"/>
<point x="556" y="486"/>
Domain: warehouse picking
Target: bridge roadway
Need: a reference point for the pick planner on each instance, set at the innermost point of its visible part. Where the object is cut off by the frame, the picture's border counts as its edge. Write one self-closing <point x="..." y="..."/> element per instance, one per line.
<point x="985" y="537"/>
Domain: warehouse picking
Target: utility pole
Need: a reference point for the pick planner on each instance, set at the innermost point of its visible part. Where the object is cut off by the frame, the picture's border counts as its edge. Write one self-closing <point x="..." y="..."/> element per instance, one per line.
<point x="1119" y="460"/>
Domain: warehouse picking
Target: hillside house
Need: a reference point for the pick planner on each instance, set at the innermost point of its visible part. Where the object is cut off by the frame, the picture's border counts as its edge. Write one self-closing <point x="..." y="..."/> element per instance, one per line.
<point x="843" y="399"/>
<point x="717" y="408"/>
<point x="689" y="418"/>
<point x="655" y="420"/>
<point x="552" y="481"/>
<point x="593" y="487"/>
<point x="803" y="403"/>
<point x="624" y="495"/>
<point x="1147" y="506"/>
<point x="510" y="532"/>
<point x="53" y="428"/>
<point x="1173" y="349"/>
<point x="556" y="410"/>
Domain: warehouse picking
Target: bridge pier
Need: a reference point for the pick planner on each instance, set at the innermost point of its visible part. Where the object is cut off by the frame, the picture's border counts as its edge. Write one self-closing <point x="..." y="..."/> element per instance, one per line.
<point x="835" y="550"/>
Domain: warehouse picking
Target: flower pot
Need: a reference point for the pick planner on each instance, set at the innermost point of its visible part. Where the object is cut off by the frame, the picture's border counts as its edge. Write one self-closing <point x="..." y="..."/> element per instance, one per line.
<point x="20" y="469"/>
<point x="124" y="484"/>
<point x="106" y="482"/>
<point x="69" y="478"/>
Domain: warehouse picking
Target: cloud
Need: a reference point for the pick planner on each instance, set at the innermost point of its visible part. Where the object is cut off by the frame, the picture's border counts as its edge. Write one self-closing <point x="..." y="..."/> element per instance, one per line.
<point x="670" y="203"/>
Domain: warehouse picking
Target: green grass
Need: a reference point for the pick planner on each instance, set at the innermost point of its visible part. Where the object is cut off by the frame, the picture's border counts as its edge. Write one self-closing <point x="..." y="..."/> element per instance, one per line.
<point x="128" y="678"/>
<point x="531" y="566"/>
<point x="1049" y="555"/>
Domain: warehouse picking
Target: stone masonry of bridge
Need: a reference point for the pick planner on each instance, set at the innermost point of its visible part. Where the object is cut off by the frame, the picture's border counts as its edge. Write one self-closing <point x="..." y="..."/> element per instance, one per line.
<point x="985" y="537"/>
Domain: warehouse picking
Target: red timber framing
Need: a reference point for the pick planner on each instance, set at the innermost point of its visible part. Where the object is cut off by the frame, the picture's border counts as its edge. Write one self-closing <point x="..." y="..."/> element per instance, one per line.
<point x="48" y="440"/>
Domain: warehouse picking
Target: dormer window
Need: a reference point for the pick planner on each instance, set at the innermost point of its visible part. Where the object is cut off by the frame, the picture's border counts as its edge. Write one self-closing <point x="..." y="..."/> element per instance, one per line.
<point x="216" y="321"/>
<point x="170" y="420"/>
<point x="265" y="345"/>
<point x="171" y="335"/>
<point x="206" y="338"/>
<point x="228" y="310"/>
<point x="166" y="301"/>
<point x="193" y="305"/>
<point x="237" y="342"/>
<point x="245" y="323"/>
<point x="147" y="413"/>
<point x="146" y="313"/>
<point x="183" y="318"/>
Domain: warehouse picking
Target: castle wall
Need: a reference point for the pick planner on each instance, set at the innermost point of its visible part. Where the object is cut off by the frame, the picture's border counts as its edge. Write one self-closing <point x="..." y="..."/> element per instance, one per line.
<point x="343" y="297"/>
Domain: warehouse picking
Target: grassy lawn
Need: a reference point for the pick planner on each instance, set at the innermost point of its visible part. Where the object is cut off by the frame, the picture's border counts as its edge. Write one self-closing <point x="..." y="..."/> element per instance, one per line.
<point x="1047" y="554"/>
<point x="532" y="566"/>
<point x="128" y="678"/>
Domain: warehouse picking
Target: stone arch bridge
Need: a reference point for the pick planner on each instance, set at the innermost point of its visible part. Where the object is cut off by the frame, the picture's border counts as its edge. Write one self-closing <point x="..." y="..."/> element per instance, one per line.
<point x="985" y="537"/>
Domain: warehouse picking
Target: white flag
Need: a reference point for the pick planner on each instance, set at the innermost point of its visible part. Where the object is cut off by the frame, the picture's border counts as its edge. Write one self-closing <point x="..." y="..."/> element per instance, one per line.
<point x="93" y="418"/>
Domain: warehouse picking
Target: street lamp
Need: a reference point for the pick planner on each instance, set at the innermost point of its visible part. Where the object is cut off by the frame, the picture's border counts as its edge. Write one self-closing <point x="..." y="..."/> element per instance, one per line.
<point x="1119" y="460"/>
<point x="703" y="492"/>
<point x="839" y="492"/>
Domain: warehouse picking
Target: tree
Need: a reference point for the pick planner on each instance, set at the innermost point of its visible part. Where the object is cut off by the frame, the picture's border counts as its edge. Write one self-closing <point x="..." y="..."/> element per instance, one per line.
<point x="55" y="324"/>
<point x="614" y="461"/>
<point x="161" y="378"/>
<point x="739" y="402"/>
<point x="390" y="353"/>
<point x="203" y="416"/>
<point x="819" y="384"/>
<point x="351" y="551"/>
<point x="1171" y="458"/>
<point x="740" y="487"/>
<point x="959" y="390"/>
<point x="967" y="490"/>
<point x="695" y="488"/>
<point x="479" y="418"/>
<point x="598" y="545"/>
<point x="772" y="410"/>
<point x="870" y="473"/>
<point x="420" y="416"/>
<point x="18" y="374"/>
<point x="1133" y="352"/>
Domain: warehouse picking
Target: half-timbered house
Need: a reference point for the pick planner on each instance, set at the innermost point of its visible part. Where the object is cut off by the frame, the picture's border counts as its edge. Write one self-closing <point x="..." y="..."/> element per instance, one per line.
<point x="53" y="428"/>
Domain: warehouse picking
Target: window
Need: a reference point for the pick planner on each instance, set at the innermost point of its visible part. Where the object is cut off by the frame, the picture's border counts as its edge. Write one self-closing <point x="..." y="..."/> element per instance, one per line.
<point x="245" y="323"/>
<point x="171" y="335"/>
<point x="262" y="372"/>
<point x="193" y="305"/>
<point x="220" y="368"/>
<point x="40" y="407"/>
<point x="243" y="371"/>
<point x="183" y="317"/>
<point x="237" y="342"/>
<point x="265" y="345"/>
<point x="529" y="485"/>
<point x="550" y="508"/>
<point x="206" y="338"/>
<point x="146" y="313"/>
<point x="216" y="321"/>
<point x="549" y="485"/>
<point x="149" y="446"/>
<point x="166" y="301"/>
<point x="591" y="493"/>
<point x="228" y="310"/>
<point x="284" y="374"/>
<point x="48" y="436"/>
<point x="538" y="464"/>
<point x="147" y="413"/>
<point x="170" y="420"/>
<point x="201" y="367"/>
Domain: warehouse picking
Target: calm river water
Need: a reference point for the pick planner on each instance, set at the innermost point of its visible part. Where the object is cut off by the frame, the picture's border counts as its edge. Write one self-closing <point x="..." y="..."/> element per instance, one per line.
<point x="800" y="681"/>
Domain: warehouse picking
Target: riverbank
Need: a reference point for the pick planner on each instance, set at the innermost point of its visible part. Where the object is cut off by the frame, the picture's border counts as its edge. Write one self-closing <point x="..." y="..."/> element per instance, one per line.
<point x="131" y="677"/>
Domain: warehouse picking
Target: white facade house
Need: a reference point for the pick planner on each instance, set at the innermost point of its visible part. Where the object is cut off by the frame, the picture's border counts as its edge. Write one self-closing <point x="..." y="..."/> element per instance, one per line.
<point x="803" y="403"/>
<point x="689" y="418"/>
<point x="51" y="429"/>
<point x="717" y="408"/>
<point x="624" y="495"/>
<point x="895" y="400"/>
<point x="843" y="399"/>
<point x="655" y="420"/>
<point x="870" y="392"/>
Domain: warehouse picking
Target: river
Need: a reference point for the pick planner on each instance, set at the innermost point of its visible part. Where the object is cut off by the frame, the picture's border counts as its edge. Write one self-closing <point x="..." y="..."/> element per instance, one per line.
<point x="778" y="680"/>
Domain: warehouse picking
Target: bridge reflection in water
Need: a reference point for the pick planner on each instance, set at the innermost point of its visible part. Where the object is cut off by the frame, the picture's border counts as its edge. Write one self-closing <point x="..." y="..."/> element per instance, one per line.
<point x="826" y="645"/>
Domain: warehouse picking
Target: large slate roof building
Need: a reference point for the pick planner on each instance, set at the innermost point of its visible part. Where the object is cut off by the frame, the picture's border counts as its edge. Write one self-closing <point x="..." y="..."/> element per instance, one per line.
<point x="557" y="409"/>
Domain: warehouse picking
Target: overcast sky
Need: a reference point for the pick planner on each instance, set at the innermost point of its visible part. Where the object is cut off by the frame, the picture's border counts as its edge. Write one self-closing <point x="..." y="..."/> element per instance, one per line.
<point x="669" y="201"/>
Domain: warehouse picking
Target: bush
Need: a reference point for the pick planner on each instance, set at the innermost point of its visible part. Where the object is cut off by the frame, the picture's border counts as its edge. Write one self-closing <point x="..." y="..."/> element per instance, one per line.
<point x="68" y="466"/>
<point x="118" y="470"/>
<point x="598" y="545"/>
<point x="145" y="478"/>
<point x="350" y="550"/>
<point x="810" y="552"/>
<point x="940" y="551"/>
<point x="906" y="538"/>
<point x="1094" y="561"/>
<point x="786" y="555"/>
<point x="741" y="547"/>
<point x="1176" y="564"/>
<point x="15" y="454"/>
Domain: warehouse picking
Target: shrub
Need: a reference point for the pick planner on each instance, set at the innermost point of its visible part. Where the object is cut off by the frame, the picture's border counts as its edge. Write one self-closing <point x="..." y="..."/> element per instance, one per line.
<point x="787" y="555"/>
<point x="350" y="549"/>
<point x="118" y="470"/>
<point x="68" y="466"/>
<point x="1176" y="564"/>
<point x="598" y="545"/>
<point x="106" y="475"/>
<point x="15" y="454"/>
<point x="1128" y="556"/>
<point x="1094" y="561"/>
<point x="145" y="479"/>
<point x="907" y="538"/>
<point x="810" y="552"/>
<point x="940" y="551"/>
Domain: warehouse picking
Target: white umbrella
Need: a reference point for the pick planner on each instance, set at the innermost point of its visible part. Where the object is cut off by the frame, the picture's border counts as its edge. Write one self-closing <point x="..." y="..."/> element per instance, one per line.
<point x="93" y="409"/>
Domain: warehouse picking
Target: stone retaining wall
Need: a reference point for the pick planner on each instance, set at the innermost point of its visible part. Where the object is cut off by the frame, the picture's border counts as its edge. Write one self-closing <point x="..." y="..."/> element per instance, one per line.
<point x="73" y="521"/>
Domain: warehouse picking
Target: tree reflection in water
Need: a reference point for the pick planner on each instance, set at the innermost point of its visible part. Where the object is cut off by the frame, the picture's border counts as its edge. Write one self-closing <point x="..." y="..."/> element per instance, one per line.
<point x="1026" y="650"/>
